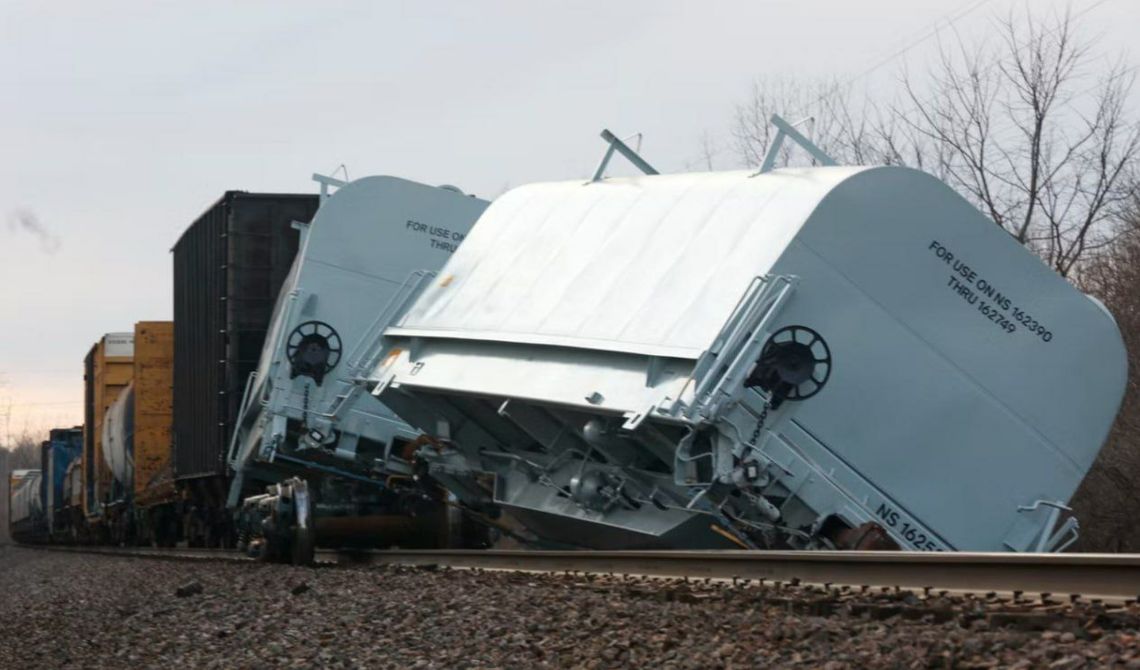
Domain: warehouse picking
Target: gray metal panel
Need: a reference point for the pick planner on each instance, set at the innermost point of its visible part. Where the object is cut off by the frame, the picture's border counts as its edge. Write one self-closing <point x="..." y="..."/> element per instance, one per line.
<point x="957" y="419"/>
<point x="364" y="243"/>
<point x="1068" y="387"/>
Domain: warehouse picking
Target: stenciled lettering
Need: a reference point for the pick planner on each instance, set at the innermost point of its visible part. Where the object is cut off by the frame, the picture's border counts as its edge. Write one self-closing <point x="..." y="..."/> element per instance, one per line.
<point x="968" y="283"/>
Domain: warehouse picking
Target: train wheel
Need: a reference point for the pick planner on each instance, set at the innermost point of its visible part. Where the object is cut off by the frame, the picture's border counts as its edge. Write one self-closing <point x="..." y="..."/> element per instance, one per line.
<point x="304" y="546"/>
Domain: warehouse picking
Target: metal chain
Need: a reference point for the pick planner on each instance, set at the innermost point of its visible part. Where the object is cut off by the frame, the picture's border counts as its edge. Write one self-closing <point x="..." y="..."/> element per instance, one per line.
<point x="759" y="426"/>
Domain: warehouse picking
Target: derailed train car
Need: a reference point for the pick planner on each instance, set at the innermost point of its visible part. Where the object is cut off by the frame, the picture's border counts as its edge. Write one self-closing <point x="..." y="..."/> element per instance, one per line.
<point x="132" y="483"/>
<point x="334" y="458"/>
<point x="806" y="358"/>
<point x="827" y="357"/>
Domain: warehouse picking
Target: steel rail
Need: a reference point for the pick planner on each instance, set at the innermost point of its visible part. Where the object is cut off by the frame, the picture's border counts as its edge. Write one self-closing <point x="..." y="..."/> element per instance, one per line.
<point x="1107" y="576"/>
<point x="1111" y="577"/>
<point x="171" y="554"/>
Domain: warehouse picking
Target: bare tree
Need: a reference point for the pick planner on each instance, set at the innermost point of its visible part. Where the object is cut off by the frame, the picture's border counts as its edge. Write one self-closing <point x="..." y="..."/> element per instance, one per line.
<point x="845" y="123"/>
<point x="1108" y="501"/>
<point x="24" y="452"/>
<point x="1018" y="125"/>
<point x="5" y="496"/>
<point x="824" y="110"/>
<point x="709" y="151"/>
<point x="22" y="448"/>
<point x="1032" y="127"/>
<point x="5" y="416"/>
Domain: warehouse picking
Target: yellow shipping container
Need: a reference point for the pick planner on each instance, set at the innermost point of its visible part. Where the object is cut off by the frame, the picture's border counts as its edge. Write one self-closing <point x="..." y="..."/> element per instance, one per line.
<point x="144" y="358"/>
<point x="154" y="411"/>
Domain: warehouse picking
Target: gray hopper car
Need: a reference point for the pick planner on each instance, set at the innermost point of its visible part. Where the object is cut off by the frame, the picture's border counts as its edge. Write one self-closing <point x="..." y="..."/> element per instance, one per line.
<point x="803" y="357"/>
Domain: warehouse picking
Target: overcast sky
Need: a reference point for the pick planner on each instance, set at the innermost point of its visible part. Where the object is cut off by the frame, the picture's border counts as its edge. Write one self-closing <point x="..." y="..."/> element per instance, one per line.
<point x="120" y="122"/>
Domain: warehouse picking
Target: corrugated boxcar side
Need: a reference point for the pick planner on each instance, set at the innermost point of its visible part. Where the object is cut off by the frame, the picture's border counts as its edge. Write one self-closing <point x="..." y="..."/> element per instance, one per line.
<point x="228" y="267"/>
<point x="154" y="409"/>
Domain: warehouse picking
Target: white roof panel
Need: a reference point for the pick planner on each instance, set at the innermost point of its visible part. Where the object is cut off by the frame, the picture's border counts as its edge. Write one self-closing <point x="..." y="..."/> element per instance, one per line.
<point x="665" y="248"/>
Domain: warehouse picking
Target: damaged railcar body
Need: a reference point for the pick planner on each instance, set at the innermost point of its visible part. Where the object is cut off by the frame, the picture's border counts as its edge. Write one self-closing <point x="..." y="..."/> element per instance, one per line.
<point x="332" y="455"/>
<point x="803" y="357"/>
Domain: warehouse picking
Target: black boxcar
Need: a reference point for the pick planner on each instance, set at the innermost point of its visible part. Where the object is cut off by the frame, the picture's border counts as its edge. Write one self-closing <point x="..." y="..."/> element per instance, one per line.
<point x="228" y="268"/>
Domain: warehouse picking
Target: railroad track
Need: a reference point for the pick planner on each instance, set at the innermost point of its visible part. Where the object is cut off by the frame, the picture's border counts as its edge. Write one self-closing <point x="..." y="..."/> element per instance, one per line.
<point x="177" y="554"/>
<point x="1105" y="576"/>
<point x="1108" y="577"/>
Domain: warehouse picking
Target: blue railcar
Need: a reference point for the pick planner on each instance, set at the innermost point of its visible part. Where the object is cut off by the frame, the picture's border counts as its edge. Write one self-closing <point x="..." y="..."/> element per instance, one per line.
<point x="58" y="452"/>
<point x="25" y="506"/>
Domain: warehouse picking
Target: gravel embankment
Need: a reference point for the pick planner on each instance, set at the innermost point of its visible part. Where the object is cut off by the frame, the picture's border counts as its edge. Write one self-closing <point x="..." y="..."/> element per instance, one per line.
<point x="85" y="611"/>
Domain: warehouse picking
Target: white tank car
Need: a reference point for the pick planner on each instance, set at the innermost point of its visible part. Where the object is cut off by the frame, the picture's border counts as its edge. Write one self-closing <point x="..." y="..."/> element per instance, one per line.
<point x="25" y="511"/>
<point x="119" y="438"/>
<point x="302" y="415"/>
<point x="809" y="358"/>
<point x="73" y="484"/>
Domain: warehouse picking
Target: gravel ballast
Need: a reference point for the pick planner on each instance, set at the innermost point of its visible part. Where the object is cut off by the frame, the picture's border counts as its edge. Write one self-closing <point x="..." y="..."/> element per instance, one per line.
<point x="62" y="610"/>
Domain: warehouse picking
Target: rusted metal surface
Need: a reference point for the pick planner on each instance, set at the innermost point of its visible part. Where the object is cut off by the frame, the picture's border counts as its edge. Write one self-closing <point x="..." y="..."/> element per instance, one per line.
<point x="154" y="392"/>
<point x="869" y="536"/>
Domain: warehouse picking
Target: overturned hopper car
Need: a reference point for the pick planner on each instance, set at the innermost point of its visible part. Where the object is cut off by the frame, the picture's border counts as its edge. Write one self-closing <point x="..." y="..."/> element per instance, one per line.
<point x="332" y="457"/>
<point x="795" y="358"/>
